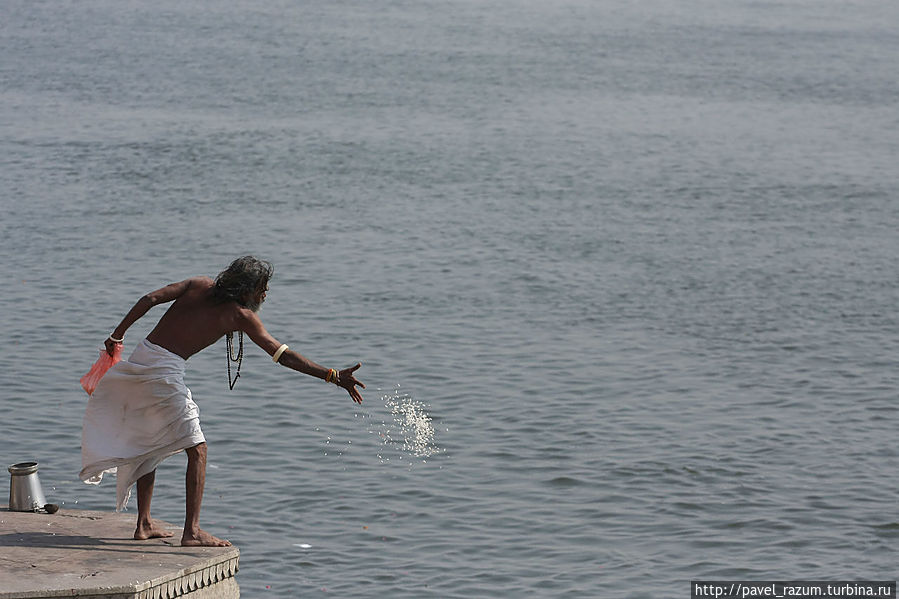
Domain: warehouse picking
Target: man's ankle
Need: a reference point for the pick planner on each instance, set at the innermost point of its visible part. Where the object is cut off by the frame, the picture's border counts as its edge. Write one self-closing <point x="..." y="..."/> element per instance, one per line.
<point x="191" y="531"/>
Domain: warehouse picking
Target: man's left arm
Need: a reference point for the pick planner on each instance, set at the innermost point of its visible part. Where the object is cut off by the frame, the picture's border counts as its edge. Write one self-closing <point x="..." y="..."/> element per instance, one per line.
<point x="296" y="361"/>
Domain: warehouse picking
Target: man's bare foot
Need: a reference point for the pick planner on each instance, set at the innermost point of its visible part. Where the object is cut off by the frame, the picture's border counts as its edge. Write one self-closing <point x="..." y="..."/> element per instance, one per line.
<point x="202" y="539"/>
<point x="151" y="530"/>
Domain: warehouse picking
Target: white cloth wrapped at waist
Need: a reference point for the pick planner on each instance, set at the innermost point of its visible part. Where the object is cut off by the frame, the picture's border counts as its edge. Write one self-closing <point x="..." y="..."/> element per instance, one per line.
<point x="140" y="413"/>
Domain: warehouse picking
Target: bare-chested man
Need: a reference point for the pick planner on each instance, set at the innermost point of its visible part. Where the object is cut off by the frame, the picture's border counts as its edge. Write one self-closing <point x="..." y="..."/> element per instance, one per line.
<point x="141" y="412"/>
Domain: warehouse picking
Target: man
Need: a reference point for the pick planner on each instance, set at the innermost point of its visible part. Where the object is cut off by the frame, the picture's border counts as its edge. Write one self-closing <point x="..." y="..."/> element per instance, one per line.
<point x="141" y="412"/>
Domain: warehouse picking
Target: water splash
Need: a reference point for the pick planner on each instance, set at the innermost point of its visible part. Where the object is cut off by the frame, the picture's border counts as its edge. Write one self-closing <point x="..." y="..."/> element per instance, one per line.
<point x="413" y="424"/>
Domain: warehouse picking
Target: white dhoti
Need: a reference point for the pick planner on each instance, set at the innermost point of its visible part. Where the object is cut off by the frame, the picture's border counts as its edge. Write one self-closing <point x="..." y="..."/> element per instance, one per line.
<point x="140" y="413"/>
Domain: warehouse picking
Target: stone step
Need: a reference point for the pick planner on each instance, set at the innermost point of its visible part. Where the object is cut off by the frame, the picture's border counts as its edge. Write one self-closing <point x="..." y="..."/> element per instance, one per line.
<point x="92" y="555"/>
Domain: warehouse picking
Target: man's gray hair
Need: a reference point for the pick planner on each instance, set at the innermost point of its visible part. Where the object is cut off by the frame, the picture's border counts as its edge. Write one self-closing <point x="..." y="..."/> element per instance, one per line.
<point x="244" y="278"/>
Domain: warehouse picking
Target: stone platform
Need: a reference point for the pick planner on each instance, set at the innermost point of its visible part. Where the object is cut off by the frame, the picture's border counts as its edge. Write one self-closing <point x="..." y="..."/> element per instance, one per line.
<point x="91" y="555"/>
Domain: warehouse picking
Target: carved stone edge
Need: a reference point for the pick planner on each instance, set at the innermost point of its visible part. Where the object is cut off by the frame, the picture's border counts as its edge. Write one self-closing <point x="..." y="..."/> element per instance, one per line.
<point x="191" y="581"/>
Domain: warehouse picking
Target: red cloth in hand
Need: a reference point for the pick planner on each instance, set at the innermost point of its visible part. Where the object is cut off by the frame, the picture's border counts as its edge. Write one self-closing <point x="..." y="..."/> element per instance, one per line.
<point x="104" y="362"/>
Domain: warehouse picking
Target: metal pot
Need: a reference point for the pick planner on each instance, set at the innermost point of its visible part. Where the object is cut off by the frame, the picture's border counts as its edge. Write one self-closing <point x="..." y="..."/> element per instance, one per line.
<point x="25" y="494"/>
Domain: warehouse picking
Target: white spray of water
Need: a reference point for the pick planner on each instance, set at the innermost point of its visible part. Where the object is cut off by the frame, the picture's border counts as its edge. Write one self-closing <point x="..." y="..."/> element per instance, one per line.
<point x="414" y="424"/>
<point x="412" y="429"/>
<point x="409" y="434"/>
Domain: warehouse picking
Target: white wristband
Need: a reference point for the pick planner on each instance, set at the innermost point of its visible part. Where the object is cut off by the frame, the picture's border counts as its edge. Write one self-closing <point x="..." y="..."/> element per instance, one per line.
<point x="278" y="353"/>
<point x="114" y="340"/>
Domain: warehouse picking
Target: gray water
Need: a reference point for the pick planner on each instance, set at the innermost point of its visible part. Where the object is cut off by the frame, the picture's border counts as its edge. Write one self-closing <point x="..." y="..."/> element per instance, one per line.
<point x="637" y="262"/>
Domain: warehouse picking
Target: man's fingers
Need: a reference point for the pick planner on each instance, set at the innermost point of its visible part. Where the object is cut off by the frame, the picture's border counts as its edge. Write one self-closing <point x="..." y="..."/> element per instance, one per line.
<point x="353" y="382"/>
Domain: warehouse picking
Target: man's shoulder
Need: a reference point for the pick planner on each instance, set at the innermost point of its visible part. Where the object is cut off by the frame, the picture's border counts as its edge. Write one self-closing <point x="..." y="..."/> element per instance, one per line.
<point x="200" y="283"/>
<point x="195" y="289"/>
<point x="246" y="319"/>
<point x="244" y="313"/>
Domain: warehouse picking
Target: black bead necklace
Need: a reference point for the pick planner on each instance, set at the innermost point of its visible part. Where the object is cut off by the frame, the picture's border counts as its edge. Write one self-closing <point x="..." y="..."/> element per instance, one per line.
<point x="229" y="339"/>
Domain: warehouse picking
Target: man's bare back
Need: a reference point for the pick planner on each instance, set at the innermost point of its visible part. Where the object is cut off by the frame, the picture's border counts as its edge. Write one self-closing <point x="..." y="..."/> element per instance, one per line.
<point x="195" y="321"/>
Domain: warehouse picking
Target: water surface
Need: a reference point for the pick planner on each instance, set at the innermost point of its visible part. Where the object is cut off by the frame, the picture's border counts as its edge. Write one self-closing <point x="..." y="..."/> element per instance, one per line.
<point x="637" y="262"/>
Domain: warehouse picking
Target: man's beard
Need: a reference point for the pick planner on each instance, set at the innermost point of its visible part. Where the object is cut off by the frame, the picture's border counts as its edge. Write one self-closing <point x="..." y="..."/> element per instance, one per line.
<point x="253" y="304"/>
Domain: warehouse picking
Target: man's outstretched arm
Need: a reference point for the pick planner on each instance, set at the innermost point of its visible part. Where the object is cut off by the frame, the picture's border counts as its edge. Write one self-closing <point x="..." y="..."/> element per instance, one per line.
<point x="296" y="361"/>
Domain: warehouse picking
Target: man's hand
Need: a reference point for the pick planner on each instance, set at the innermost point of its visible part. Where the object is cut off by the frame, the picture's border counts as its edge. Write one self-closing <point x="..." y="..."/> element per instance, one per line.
<point x="349" y="382"/>
<point x="110" y="346"/>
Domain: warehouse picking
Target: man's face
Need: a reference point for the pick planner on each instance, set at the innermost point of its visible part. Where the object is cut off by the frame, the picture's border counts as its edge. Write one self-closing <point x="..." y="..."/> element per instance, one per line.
<point x="255" y="301"/>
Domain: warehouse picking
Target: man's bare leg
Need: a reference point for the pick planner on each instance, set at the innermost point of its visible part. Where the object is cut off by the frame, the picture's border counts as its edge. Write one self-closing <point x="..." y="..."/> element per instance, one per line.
<point x="147" y="528"/>
<point x="195" y="481"/>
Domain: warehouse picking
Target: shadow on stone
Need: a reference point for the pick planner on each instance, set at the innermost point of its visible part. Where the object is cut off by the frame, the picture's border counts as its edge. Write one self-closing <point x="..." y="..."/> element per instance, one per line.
<point x="43" y="539"/>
